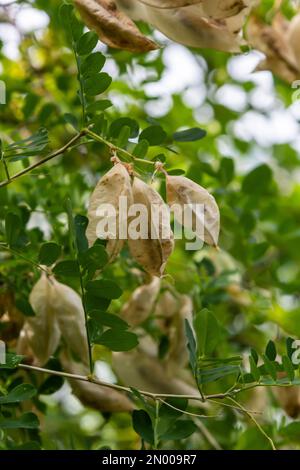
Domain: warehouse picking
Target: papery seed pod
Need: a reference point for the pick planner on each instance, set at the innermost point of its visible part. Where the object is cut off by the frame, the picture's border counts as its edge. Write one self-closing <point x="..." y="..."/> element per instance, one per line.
<point x="112" y="186"/>
<point x="141" y="303"/>
<point x="42" y="330"/>
<point x="289" y="400"/>
<point x="220" y="9"/>
<point x="188" y="25"/>
<point x="185" y="193"/>
<point x="67" y="306"/>
<point x="171" y="313"/>
<point x="272" y="40"/>
<point x="113" y="26"/>
<point x="156" y="241"/>
<point x="293" y="38"/>
<point x="100" y="398"/>
<point x="139" y="370"/>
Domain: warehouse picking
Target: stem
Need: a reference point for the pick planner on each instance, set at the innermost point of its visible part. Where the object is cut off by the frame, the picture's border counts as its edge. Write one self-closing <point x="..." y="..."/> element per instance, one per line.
<point x="86" y="320"/>
<point x="156" y="440"/>
<point x="254" y="421"/>
<point x="43" y="160"/>
<point x="81" y="88"/>
<point x="115" y="148"/>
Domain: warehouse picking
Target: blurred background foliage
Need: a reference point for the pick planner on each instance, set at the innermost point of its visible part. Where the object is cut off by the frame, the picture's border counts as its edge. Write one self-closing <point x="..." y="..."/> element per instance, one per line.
<point x="249" y="160"/>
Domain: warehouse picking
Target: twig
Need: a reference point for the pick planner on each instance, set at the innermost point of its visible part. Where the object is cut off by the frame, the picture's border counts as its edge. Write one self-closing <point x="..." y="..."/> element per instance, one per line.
<point x="43" y="160"/>
<point x="254" y="421"/>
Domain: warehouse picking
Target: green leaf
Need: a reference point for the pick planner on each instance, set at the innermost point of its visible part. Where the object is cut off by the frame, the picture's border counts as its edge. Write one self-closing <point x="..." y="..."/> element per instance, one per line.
<point x="189" y="135"/>
<point x="92" y="302"/>
<point x="104" y="288"/>
<point x="49" y="253"/>
<point x="207" y="331"/>
<point x="168" y="415"/>
<point x="271" y="352"/>
<point x="11" y="361"/>
<point x="180" y="430"/>
<point x="51" y="385"/>
<point x="26" y="421"/>
<point x="217" y="373"/>
<point x="19" y="393"/>
<point x="66" y="268"/>
<point x="108" y="319"/>
<point x="254" y="356"/>
<point x="94" y="258"/>
<point x="270" y="367"/>
<point x="191" y="345"/>
<point x="72" y="120"/>
<point x="288" y="367"/>
<point x="118" y="340"/>
<point x="92" y="64"/>
<point x="28" y="147"/>
<point x="86" y="43"/>
<point x="142" y="425"/>
<point x="97" y="83"/>
<point x="12" y="228"/>
<point x="141" y="149"/>
<point x="226" y="171"/>
<point x="254" y="369"/>
<point x="118" y="124"/>
<point x="155" y="135"/>
<point x="100" y="105"/>
<point x="257" y="181"/>
<point x="80" y="225"/>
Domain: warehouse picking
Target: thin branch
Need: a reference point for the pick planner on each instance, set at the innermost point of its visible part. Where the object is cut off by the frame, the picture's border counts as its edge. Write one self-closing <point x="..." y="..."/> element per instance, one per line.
<point x="263" y="432"/>
<point x="43" y="160"/>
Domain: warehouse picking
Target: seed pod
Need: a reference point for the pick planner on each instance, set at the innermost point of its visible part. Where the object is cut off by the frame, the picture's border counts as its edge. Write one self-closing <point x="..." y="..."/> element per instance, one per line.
<point x="139" y="370"/>
<point x="171" y="313"/>
<point x="273" y="41"/>
<point x="184" y="192"/>
<point x="141" y="303"/>
<point x="156" y="242"/>
<point x="67" y="307"/>
<point x="113" y="185"/>
<point x="113" y="26"/>
<point x="42" y="330"/>
<point x="293" y="38"/>
<point x="220" y="9"/>
<point x="188" y="25"/>
<point x="95" y="396"/>
<point x="289" y="399"/>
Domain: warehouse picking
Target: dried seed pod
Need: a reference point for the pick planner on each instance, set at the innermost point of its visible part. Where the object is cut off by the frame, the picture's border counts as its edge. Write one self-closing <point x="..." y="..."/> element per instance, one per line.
<point x="188" y="25"/>
<point x="156" y="241"/>
<point x="289" y="400"/>
<point x="293" y="38"/>
<point x="112" y="186"/>
<point x="171" y="313"/>
<point x="141" y="303"/>
<point x="42" y="330"/>
<point x="273" y="41"/>
<point x="139" y="370"/>
<point x="186" y="194"/>
<point x="220" y="9"/>
<point x="113" y="26"/>
<point x="67" y="307"/>
<point x="95" y="396"/>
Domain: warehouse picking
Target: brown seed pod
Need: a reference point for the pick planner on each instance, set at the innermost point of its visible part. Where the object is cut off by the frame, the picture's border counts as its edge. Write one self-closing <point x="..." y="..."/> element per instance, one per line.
<point x="191" y="25"/>
<point x="156" y="241"/>
<point x="139" y="370"/>
<point x="113" y="26"/>
<point x="184" y="193"/>
<point x="95" y="396"/>
<point x="141" y="303"/>
<point x="69" y="312"/>
<point x="59" y="315"/>
<point x="276" y="41"/>
<point x="171" y="313"/>
<point x="42" y="330"/>
<point x="114" y="184"/>
<point x="289" y="400"/>
<point x="293" y="38"/>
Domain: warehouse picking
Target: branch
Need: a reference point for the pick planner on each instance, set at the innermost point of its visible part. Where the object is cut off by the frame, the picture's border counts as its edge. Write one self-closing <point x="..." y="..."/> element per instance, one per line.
<point x="43" y="160"/>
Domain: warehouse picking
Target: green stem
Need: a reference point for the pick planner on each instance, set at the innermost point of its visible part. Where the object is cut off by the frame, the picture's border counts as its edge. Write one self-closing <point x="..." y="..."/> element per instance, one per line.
<point x="81" y="88"/>
<point x="86" y="320"/>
